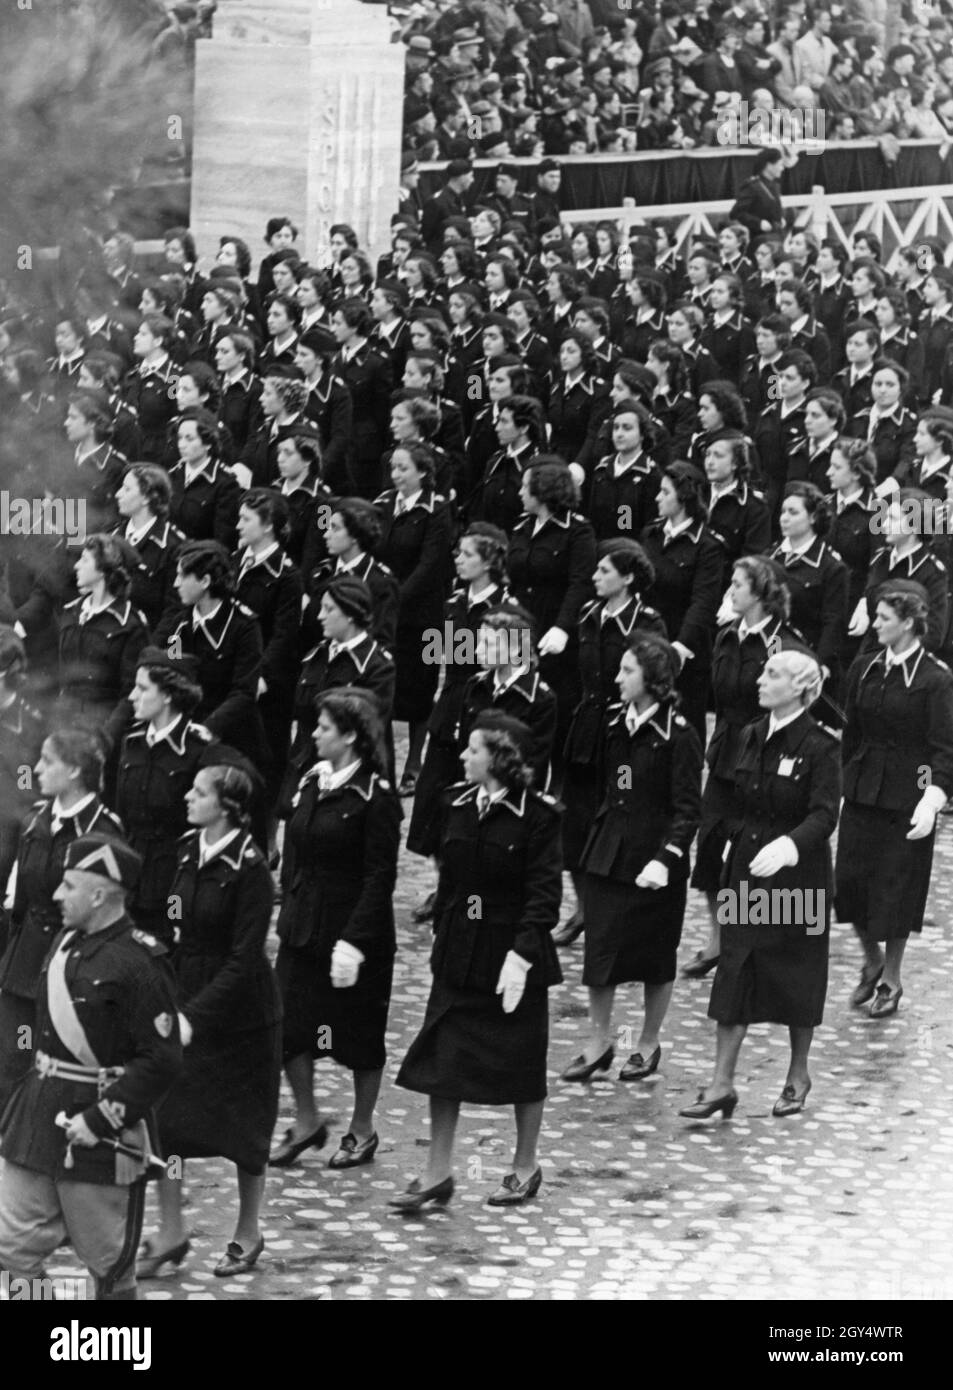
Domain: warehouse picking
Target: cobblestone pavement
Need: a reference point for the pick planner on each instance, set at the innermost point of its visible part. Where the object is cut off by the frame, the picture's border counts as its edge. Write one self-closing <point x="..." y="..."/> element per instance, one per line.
<point x="850" y="1200"/>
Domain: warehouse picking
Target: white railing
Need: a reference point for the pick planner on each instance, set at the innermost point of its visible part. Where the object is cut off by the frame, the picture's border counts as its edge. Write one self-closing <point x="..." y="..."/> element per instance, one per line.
<point x="817" y="211"/>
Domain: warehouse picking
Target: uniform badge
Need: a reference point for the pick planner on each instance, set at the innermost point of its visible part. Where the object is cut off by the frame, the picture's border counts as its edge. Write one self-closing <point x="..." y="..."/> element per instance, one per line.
<point x="143" y="938"/>
<point x="163" y="1023"/>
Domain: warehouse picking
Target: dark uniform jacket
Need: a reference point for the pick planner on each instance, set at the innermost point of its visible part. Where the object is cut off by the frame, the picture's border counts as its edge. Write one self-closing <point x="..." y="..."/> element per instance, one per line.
<point x="309" y="506"/>
<point x="99" y="655"/>
<point x="852" y="537"/>
<point x="151" y="394"/>
<point x="572" y="413"/>
<point x="377" y="577"/>
<point x="495" y="496"/>
<point x="122" y="992"/>
<point x="790" y="785"/>
<point x="329" y="406"/>
<point x="892" y="442"/>
<point x="812" y="339"/>
<point x="729" y="343"/>
<point x="508" y="864"/>
<point x="622" y="506"/>
<point x="775" y="437"/>
<point x="602" y="643"/>
<point x="96" y="478"/>
<point x="207" y="508"/>
<point x="36" y="918"/>
<point x="271" y="588"/>
<point x="415" y="546"/>
<point x="651" y="804"/>
<point x="923" y="566"/>
<point x="551" y="571"/>
<point x="239" y="407"/>
<point x="153" y="578"/>
<point x="340" y="867"/>
<point x="528" y="699"/>
<point x="818" y="583"/>
<point x="738" y="520"/>
<point x="224" y="978"/>
<point x="260" y="454"/>
<point x="368" y="376"/>
<point x="899" y="722"/>
<point x="687" y="587"/>
<point x="150" y="799"/>
<point x="228" y="647"/>
<point x="736" y="665"/>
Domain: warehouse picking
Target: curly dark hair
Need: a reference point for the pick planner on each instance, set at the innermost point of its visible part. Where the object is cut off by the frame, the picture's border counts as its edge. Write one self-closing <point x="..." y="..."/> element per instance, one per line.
<point x="527" y="414"/>
<point x="630" y="561"/>
<point x="270" y="507"/>
<point x="492" y="546"/>
<point x="674" y="359"/>
<point x="206" y="382"/>
<point x="906" y="605"/>
<point x="184" y="695"/>
<point x="586" y="350"/>
<point x="766" y="584"/>
<point x="422" y="457"/>
<point x="507" y="763"/>
<point x="94" y="408"/>
<point x="726" y="400"/>
<point x="154" y="484"/>
<point x="242" y="254"/>
<point x="210" y="559"/>
<point x="114" y="560"/>
<point x="816" y="504"/>
<point x="361" y="521"/>
<point x="659" y="664"/>
<point x="690" y="487"/>
<point x="206" y="425"/>
<point x="551" y="483"/>
<point x="355" y="711"/>
<point x="740" y="450"/>
<point x="235" y="791"/>
<point x="860" y="459"/>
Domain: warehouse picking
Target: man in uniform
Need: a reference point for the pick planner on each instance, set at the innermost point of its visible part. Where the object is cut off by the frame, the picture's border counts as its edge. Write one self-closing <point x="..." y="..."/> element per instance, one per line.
<point x="75" y="1140"/>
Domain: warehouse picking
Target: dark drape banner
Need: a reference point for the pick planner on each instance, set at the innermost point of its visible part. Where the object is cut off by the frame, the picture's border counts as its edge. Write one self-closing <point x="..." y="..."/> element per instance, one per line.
<point x="605" y="181"/>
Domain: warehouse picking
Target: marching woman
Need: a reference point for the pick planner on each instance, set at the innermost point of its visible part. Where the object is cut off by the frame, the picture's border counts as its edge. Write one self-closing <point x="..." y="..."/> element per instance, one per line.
<point x="143" y="499"/>
<point x="521" y="430"/>
<point x="551" y="559"/>
<point x="240" y="387"/>
<point x="347" y="655"/>
<point x="635" y="861"/>
<point x="719" y="408"/>
<point x="98" y="466"/>
<point x="336" y="924"/>
<point x="737" y="515"/>
<point x="224" y="1103"/>
<point x="624" y="484"/>
<point x="578" y="399"/>
<point x="269" y="585"/>
<point x="308" y="499"/>
<point x="70" y="774"/>
<point x="760" y="602"/>
<point x="773" y="963"/>
<point x="346" y="546"/>
<point x="485" y="1033"/>
<point x="816" y="577"/>
<point x="157" y="766"/>
<point x="672" y="405"/>
<point x="481" y="574"/>
<point x="688" y="581"/>
<point x="606" y="624"/>
<point x="101" y="636"/>
<point x="933" y="444"/>
<point x="852" y="474"/>
<point x="898" y="774"/>
<point x="415" y="546"/>
<point x="205" y="494"/>
<point x="368" y="377"/>
<point x="824" y="417"/>
<point x="889" y="427"/>
<point x="908" y="517"/>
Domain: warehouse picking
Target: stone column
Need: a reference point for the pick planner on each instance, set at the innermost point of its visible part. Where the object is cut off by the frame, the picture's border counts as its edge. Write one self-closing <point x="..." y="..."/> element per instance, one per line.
<point x="298" y="112"/>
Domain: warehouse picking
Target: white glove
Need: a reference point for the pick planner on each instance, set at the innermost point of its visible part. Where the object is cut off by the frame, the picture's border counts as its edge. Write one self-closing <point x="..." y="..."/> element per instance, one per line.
<point x="859" y="620"/>
<point x="553" y="642"/>
<point x="778" y="854"/>
<point x="887" y="488"/>
<point x="346" y="962"/>
<point x="185" y="1030"/>
<point x="512" y="981"/>
<point x="262" y="687"/>
<point x="242" y="475"/>
<point x="925" y="813"/>
<point x="654" y="875"/>
<point x="684" y="653"/>
<point x="725" y="614"/>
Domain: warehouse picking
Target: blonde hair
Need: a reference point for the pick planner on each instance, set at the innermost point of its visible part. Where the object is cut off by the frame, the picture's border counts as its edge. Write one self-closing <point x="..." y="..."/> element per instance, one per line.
<point x="805" y="673"/>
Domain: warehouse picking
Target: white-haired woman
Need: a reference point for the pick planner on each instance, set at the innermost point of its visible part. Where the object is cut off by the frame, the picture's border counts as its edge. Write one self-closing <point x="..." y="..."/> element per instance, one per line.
<point x="777" y="891"/>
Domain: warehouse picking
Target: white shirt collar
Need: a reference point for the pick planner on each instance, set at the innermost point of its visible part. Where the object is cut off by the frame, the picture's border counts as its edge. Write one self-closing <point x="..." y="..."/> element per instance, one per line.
<point x="484" y="593"/>
<point x="154" y="735"/>
<point x="329" y="781"/>
<point x="201" y="620"/>
<point x="670" y="531"/>
<point x="891" y="660"/>
<point x="58" y="815"/>
<point x="499" y="686"/>
<point x="802" y="549"/>
<point x="209" y="851"/>
<point x="334" y="647"/>
<point x="347" y="566"/>
<point x="405" y="503"/>
<point x="798" y="324"/>
<point x="845" y="500"/>
<point x="746" y="630"/>
<point x="250" y="559"/>
<point x="634" y="720"/>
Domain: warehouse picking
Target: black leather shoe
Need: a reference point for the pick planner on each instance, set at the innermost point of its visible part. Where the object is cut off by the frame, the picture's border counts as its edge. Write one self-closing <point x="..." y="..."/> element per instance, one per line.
<point x="416" y="1196"/>
<point x="149" y="1262"/>
<point x="789" y="1102"/>
<point x="866" y="986"/>
<point x="424" y="913"/>
<point x="699" y="966"/>
<point x="352" y="1153"/>
<point x="569" y="931"/>
<point x="581" y="1070"/>
<point x="290" y="1148"/>
<point x="704" y="1109"/>
<point x="886" y="1001"/>
<point x="511" y="1192"/>
<point x="637" y="1068"/>
<point x="238" y="1261"/>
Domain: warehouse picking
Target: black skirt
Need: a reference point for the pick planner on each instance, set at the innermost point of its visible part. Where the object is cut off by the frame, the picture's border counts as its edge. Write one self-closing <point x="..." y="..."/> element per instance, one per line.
<point x="770" y="974"/>
<point x="882" y="879"/>
<point x="632" y="934"/>
<point x="468" y="1049"/>
<point x="581" y="796"/>
<point x="224" y="1103"/>
<point x="416" y="680"/>
<point x="347" y="1025"/>
<point x="713" y="832"/>
<point x="440" y="770"/>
